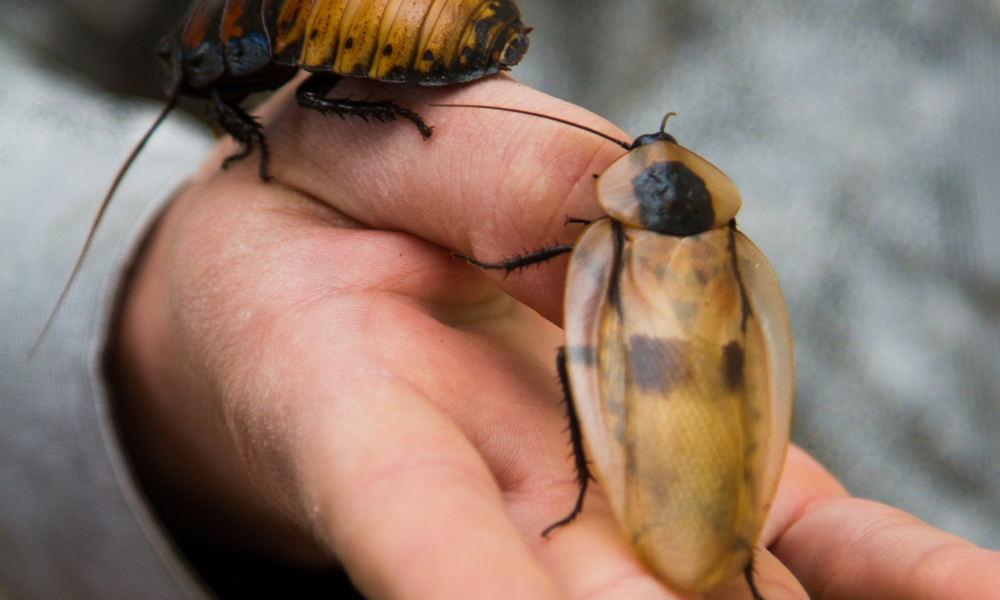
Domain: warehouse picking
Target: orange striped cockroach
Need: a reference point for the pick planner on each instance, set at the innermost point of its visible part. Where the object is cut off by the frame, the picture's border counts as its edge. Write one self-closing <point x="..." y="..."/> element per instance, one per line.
<point x="225" y="50"/>
<point x="677" y="369"/>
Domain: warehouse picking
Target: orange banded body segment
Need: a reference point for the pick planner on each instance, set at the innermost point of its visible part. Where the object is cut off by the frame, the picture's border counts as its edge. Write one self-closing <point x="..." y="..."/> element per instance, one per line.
<point x="240" y="46"/>
<point x="397" y="46"/>
<point x="439" y="54"/>
<point x="479" y="43"/>
<point x="358" y="27"/>
<point x="322" y="41"/>
<point x="683" y="392"/>
<point x="286" y="25"/>
<point x="428" y="42"/>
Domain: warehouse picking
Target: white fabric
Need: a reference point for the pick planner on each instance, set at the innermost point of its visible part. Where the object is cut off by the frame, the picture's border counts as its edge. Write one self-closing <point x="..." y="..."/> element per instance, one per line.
<point x="73" y="523"/>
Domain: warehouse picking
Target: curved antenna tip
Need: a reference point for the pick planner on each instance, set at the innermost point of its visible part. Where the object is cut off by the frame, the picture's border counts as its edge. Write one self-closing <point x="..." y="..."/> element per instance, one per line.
<point x="663" y="125"/>
<point x="171" y="103"/>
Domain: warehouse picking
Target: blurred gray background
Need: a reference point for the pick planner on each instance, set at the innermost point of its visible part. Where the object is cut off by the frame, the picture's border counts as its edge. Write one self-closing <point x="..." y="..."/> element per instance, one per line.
<point x="864" y="137"/>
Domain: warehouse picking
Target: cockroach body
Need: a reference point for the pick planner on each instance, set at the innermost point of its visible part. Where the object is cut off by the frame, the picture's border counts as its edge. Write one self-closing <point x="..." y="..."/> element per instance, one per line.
<point x="225" y="50"/>
<point x="678" y="370"/>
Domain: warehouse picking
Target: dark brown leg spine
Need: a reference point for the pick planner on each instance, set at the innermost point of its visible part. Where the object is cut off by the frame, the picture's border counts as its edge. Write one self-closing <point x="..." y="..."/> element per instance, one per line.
<point x="517" y="262"/>
<point x="583" y="476"/>
<point x="310" y="95"/>
<point x="244" y="129"/>
<point x="749" y="575"/>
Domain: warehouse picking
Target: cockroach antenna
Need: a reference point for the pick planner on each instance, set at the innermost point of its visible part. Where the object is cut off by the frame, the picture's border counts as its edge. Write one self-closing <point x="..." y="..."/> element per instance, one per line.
<point x="623" y="144"/>
<point x="171" y="103"/>
<point x="663" y="125"/>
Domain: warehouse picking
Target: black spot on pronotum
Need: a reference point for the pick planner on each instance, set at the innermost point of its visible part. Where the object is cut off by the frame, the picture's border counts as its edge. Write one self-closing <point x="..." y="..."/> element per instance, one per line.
<point x="673" y="200"/>
<point x="657" y="363"/>
<point x="733" y="358"/>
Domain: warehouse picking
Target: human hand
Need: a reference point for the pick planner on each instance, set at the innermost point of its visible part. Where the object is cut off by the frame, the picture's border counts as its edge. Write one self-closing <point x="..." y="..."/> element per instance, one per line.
<point x="304" y="374"/>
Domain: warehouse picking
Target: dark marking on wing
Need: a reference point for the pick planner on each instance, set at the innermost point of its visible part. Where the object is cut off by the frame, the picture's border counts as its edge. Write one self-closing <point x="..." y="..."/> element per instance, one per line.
<point x="617" y="262"/>
<point x="657" y="363"/>
<point x="586" y="355"/>
<point x="630" y="463"/>
<point x="619" y="425"/>
<point x="700" y="277"/>
<point x="745" y="307"/>
<point x="615" y="408"/>
<point x="733" y="360"/>
<point x="661" y="271"/>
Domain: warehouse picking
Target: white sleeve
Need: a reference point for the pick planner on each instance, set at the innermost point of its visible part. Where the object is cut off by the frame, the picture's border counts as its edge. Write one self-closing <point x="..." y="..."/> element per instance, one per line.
<point x="73" y="520"/>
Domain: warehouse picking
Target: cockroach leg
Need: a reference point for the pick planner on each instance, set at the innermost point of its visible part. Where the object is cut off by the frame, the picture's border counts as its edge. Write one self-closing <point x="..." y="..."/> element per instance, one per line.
<point x="244" y="129"/>
<point x="517" y="262"/>
<point x="749" y="575"/>
<point x="310" y="95"/>
<point x="583" y="475"/>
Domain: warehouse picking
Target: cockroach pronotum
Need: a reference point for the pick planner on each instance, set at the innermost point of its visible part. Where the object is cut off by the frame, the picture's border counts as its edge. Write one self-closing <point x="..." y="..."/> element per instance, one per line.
<point x="678" y="370"/>
<point x="225" y="50"/>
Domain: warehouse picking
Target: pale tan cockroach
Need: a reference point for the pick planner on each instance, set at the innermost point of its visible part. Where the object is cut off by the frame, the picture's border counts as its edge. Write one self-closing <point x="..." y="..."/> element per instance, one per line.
<point x="678" y="368"/>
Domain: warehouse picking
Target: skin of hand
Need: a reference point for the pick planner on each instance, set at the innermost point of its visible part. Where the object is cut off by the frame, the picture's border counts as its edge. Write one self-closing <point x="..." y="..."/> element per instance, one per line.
<point x="302" y="373"/>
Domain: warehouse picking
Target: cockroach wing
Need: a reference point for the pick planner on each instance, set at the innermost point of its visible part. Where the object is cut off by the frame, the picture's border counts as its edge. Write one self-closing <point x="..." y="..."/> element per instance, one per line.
<point x="683" y="384"/>
<point x="764" y="295"/>
<point x="599" y="402"/>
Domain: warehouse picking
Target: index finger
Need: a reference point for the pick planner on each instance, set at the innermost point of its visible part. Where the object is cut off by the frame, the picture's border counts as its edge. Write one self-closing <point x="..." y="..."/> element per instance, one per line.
<point x="487" y="183"/>
<point x="843" y="547"/>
